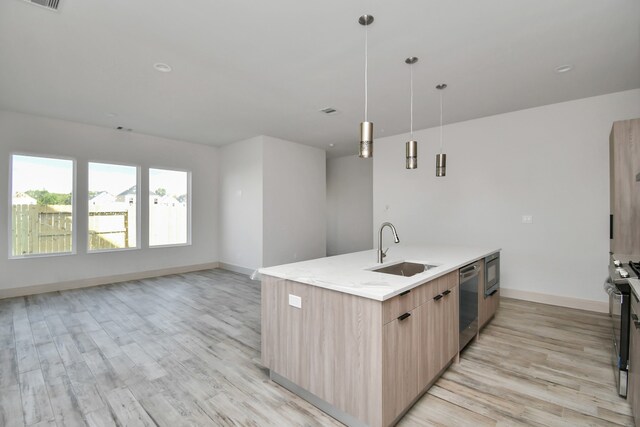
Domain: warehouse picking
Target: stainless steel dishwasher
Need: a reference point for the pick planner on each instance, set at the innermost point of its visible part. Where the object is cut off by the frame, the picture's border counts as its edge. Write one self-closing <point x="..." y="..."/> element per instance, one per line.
<point x="469" y="281"/>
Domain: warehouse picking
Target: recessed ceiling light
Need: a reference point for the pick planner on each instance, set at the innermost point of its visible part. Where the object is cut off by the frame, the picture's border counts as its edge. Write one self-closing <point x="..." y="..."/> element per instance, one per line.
<point x="564" y="68"/>
<point x="332" y="145"/>
<point x="162" y="67"/>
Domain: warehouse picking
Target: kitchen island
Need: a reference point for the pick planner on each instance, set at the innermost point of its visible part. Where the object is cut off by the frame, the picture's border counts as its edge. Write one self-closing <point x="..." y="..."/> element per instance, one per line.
<point x="361" y="345"/>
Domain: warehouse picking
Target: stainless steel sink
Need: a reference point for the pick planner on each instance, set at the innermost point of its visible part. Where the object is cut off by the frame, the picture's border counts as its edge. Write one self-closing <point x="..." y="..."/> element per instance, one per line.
<point x="406" y="269"/>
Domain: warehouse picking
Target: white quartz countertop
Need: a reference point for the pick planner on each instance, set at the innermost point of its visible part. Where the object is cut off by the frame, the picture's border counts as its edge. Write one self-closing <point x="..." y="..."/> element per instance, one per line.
<point x="351" y="273"/>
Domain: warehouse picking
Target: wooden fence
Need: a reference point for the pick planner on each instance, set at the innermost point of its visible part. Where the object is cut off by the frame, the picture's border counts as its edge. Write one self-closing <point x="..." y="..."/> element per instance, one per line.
<point x="38" y="229"/>
<point x="109" y="229"/>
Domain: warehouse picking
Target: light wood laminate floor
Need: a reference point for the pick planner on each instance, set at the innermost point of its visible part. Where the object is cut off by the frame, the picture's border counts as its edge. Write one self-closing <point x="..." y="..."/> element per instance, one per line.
<point x="185" y="350"/>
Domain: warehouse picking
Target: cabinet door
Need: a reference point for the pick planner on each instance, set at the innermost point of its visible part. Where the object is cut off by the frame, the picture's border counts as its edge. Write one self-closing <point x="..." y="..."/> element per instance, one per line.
<point x="444" y="330"/>
<point x="488" y="307"/>
<point x="451" y="328"/>
<point x="633" y="395"/>
<point x="430" y="342"/>
<point x="402" y="354"/>
<point x="483" y="309"/>
<point x="624" y="164"/>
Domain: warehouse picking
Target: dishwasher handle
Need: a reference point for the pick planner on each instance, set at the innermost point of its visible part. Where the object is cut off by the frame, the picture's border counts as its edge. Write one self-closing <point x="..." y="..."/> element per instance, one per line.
<point x="468" y="272"/>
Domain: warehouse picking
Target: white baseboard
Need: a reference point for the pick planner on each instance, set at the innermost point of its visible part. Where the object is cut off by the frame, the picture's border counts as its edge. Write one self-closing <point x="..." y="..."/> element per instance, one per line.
<point x="97" y="281"/>
<point x="582" y="304"/>
<point x="236" y="269"/>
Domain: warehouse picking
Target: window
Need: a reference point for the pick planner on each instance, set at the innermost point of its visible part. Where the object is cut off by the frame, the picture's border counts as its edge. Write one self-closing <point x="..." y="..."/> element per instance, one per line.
<point x="41" y="205"/>
<point x="168" y="207"/>
<point x="113" y="207"/>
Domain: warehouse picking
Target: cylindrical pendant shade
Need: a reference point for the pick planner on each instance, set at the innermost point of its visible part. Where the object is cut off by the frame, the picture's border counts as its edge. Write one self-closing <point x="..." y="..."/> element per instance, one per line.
<point x="441" y="164"/>
<point x="366" y="140"/>
<point x="412" y="154"/>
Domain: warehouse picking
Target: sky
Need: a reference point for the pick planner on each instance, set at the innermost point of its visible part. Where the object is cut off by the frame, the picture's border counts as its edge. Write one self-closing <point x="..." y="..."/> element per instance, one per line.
<point x="38" y="173"/>
<point x="111" y="178"/>
<point x="56" y="176"/>
<point x="175" y="182"/>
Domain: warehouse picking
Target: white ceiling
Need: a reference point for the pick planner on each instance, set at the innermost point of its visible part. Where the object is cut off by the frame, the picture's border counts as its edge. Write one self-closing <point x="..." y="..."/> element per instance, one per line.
<point x="245" y="68"/>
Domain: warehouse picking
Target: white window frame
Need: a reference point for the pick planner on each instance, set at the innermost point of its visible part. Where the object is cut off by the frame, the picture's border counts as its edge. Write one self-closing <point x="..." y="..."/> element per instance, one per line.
<point x="138" y="208"/>
<point x="74" y="211"/>
<point x="189" y="197"/>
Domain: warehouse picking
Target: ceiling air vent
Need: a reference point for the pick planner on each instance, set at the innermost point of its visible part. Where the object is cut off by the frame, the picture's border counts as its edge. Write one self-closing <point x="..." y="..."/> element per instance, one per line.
<point x="329" y="111"/>
<point x="48" y="4"/>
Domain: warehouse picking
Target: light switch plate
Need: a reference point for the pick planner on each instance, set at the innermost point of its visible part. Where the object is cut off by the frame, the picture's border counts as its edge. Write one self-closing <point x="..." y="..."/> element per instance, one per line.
<point x="295" y="301"/>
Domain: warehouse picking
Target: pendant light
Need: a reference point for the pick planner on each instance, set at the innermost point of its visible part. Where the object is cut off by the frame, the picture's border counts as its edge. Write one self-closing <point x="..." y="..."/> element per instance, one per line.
<point x="412" y="145"/>
<point x="366" y="127"/>
<point x="441" y="159"/>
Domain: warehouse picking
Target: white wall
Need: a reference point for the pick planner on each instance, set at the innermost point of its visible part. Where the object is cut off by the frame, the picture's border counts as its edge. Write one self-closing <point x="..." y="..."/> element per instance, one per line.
<point x="294" y="222"/>
<point x="241" y="203"/>
<point x="349" y="205"/>
<point x="550" y="162"/>
<point x="31" y="134"/>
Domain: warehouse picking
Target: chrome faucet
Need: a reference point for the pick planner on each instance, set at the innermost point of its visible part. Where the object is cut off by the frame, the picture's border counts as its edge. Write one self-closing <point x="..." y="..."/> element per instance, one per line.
<point x="381" y="253"/>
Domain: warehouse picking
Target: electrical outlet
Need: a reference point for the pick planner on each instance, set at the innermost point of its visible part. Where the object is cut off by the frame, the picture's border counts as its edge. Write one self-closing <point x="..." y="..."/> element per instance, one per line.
<point x="295" y="301"/>
<point x="527" y="219"/>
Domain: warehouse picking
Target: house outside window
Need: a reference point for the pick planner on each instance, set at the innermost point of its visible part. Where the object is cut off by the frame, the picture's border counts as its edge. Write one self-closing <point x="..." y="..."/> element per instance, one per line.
<point x="169" y="207"/>
<point x="42" y="201"/>
<point x="113" y="209"/>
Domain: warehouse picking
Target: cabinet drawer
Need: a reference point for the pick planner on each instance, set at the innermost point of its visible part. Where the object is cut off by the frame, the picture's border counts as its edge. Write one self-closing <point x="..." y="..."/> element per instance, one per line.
<point x="396" y="306"/>
<point x="408" y="300"/>
<point x="439" y="286"/>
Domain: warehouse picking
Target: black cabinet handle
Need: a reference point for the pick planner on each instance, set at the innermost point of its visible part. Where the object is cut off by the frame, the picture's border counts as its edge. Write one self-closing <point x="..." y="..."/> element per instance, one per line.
<point x="404" y="293"/>
<point x="493" y="292"/>
<point x="404" y="316"/>
<point x="437" y="297"/>
<point x="611" y="227"/>
<point x="447" y="292"/>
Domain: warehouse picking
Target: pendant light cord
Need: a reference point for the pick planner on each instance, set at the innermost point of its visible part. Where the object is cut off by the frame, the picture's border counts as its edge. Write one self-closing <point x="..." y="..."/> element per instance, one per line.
<point x="412" y="102"/>
<point x="366" y="71"/>
<point x="441" y="121"/>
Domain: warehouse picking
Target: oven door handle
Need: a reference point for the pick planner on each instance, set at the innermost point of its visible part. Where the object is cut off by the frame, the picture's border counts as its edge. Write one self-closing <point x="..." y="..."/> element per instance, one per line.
<point x="613" y="291"/>
<point x="636" y="322"/>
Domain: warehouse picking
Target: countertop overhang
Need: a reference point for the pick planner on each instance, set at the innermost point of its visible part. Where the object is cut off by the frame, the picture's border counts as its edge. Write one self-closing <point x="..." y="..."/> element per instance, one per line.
<point x="351" y="273"/>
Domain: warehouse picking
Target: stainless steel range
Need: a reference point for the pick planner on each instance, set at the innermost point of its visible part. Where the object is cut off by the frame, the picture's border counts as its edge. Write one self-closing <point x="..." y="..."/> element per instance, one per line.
<point x="621" y="268"/>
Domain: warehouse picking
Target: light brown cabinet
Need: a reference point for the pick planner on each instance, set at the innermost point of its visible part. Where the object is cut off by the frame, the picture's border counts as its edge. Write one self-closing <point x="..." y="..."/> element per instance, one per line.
<point x="368" y="359"/>
<point x="419" y="344"/>
<point x="633" y="392"/>
<point x="403" y="355"/>
<point x="444" y="331"/>
<point x="487" y="306"/>
<point x="624" y="191"/>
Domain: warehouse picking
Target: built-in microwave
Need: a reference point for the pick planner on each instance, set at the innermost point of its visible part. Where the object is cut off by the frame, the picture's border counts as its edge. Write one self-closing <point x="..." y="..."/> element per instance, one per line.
<point x="491" y="274"/>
